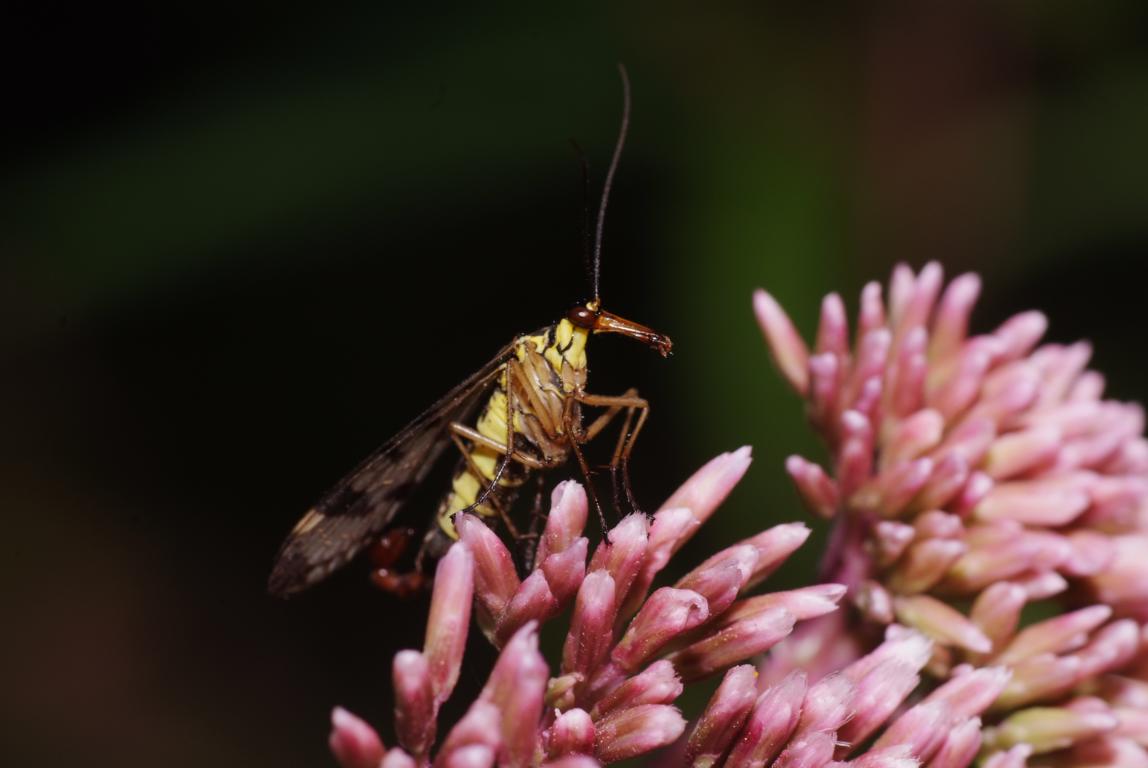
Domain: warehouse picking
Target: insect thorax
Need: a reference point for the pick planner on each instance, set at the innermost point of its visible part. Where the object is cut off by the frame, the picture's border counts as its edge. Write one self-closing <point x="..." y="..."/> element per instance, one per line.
<point x="547" y="369"/>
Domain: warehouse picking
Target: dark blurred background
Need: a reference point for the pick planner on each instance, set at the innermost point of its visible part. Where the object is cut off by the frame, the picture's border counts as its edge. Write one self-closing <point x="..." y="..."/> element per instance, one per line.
<point x="242" y="244"/>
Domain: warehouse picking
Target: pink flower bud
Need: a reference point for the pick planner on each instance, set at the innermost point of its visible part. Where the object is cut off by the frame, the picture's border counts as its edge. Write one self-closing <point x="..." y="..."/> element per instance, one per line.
<point x="1111" y="648"/>
<point x="978" y="486"/>
<point x="1124" y="584"/>
<point x="565" y="570"/>
<point x="624" y="554"/>
<point x="1055" y="635"/>
<point x="572" y="733"/>
<point x="789" y="351"/>
<point x="770" y="724"/>
<point x="1092" y="553"/>
<point x="415" y="705"/>
<point x="1041" y="585"/>
<point x="972" y="692"/>
<point x="517" y="686"/>
<point x="875" y="697"/>
<point x="707" y="488"/>
<point x="828" y="705"/>
<point x="1046" y="729"/>
<point x="924" y="565"/>
<point x="940" y="622"/>
<point x="874" y="602"/>
<point x="723" y="717"/>
<point x="921" y="298"/>
<point x="900" y="645"/>
<point x="904" y="390"/>
<point x="912" y="437"/>
<point x="825" y="380"/>
<point x="1036" y="678"/>
<point x="886" y="757"/>
<point x="962" y="744"/>
<point x="891" y="491"/>
<point x="396" y="758"/>
<point x="833" y="329"/>
<point x="1019" y="334"/>
<point x="959" y="391"/>
<point x="656" y="684"/>
<point x="871" y="314"/>
<point x="1002" y="551"/>
<point x="591" y="632"/>
<point x="480" y="726"/>
<point x="774" y="546"/>
<point x="996" y="611"/>
<point x="936" y="524"/>
<point x="804" y="604"/>
<point x="1014" y="758"/>
<point x="970" y="440"/>
<point x="1115" y="503"/>
<point x="666" y="614"/>
<point x="670" y="527"/>
<point x="532" y="602"/>
<point x="354" y="743"/>
<point x="952" y="322"/>
<point x="635" y="731"/>
<point x="817" y="490"/>
<point x="1016" y="453"/>
<point x="872" y="353"/>
<point x="1031" y="504"/>
<point x="810" y="750"/>
<point x="922" y="729"/>
<point x="573" y="761"/>
<point x="730" y="645"/>
<point x="891" y="539"/>
<point x="470" y="756"/>
<point x="1008" y="392"/>
<point x="868" y="397"/>
<point x="720" y="577"/>
<point x="495" y="578"/>
<point x="566" y="521"/>
<point x="449" y="619"/>
<point x="950" y="474"/>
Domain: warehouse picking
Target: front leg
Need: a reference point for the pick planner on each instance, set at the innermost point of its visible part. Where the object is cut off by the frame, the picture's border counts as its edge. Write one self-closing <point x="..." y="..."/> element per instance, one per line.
<point x="620" y="462"/>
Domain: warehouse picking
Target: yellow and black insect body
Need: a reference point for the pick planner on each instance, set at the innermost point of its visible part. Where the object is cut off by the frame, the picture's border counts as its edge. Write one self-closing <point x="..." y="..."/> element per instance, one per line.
<point x="541" y="391"/>
<point x="530" y="421"/>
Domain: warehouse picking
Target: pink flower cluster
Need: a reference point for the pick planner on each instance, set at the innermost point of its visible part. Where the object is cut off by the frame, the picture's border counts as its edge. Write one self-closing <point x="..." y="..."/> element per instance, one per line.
<point x="990" y="525"/>
<point x="628" y="651"/>
<point x="972" y="476"/>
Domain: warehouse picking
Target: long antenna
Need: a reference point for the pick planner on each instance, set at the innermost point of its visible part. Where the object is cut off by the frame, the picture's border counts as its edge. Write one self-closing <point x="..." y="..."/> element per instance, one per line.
<point x="610" y="175"/>
<point x="585" y="206"/>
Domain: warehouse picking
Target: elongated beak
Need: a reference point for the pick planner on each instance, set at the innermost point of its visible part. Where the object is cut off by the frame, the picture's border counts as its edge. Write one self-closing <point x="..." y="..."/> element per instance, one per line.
<point x="611" y="323"/>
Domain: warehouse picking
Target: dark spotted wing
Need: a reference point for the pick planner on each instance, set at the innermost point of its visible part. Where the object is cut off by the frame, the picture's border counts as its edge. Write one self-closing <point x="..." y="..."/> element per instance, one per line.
<point x="360" y="506"/>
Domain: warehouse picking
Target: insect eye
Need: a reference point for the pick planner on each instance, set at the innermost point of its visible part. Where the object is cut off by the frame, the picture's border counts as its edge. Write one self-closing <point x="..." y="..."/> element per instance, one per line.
<point x="582" y="316"/>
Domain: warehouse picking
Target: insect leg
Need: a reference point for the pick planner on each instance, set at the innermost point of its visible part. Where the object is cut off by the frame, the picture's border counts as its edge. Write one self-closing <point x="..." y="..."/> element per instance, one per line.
<point x="622" y="456"/>
<point x="463" y="431"/>
<point x="597" y="426"/>
<point x="631" y="402"/>
<point x="613" y="404"/>
<point x="570" y="426"/>
<point x="530" y="539"/>
<point x="615" y="485"/>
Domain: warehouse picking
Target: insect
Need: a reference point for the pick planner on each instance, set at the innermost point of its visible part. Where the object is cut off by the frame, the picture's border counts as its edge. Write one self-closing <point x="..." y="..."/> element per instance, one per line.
<point x="532" y="395"/>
